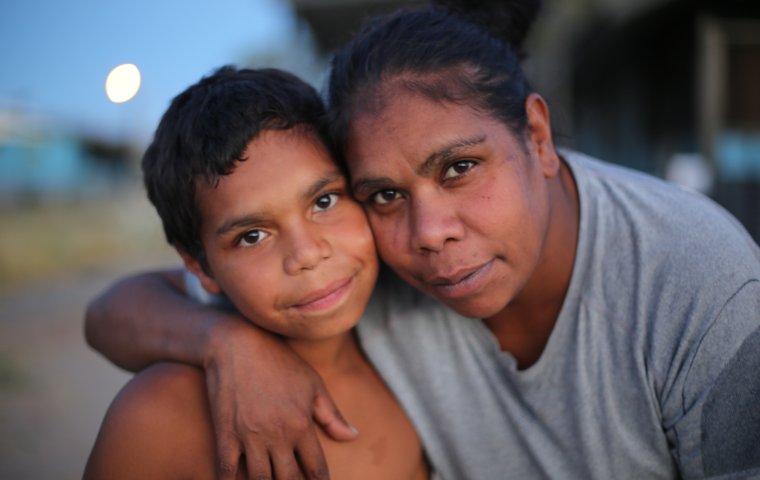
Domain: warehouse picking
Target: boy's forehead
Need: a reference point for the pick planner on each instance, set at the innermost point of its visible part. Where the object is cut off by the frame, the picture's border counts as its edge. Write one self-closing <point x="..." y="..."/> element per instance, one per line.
<point x="304" y="137"/>
<point x="257" y="149"/>
<point x="277" y="167"/>
<point x="302" y="132"/>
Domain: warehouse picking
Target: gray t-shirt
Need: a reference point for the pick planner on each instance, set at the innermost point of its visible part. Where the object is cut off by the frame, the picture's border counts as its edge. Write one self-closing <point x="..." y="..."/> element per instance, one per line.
<point x="652" y="369"/>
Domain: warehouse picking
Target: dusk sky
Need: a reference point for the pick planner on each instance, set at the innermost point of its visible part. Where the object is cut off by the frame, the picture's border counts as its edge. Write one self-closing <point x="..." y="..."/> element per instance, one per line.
<point x="55" y="55"/>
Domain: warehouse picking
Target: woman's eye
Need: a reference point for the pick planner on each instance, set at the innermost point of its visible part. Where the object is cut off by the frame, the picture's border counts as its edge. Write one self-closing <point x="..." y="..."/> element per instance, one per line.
<point x="457" y="169"/>
<point x="325" y="202"/>
<point x="251" y="238"/>
<point x="384" y="197"/>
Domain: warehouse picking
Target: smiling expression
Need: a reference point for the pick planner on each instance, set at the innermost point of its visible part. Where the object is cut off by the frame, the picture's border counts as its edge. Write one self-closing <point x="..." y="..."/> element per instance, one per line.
<point x="459" y="205"/>
<point x="284" y="240"/>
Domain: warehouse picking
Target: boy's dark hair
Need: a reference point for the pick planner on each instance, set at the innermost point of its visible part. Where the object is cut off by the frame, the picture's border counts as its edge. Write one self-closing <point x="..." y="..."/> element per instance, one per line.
<point x="205" y="131"/>
<point x="437" y="52"/>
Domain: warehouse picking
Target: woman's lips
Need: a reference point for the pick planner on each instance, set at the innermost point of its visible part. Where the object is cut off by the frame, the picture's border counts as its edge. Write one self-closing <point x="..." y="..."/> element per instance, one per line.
<point x="325" y="298"/>
<point x="462" y="283"/>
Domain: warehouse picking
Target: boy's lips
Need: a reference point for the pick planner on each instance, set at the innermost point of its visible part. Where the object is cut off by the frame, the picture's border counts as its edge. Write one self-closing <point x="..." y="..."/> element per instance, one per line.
<point x="325" y="297"/>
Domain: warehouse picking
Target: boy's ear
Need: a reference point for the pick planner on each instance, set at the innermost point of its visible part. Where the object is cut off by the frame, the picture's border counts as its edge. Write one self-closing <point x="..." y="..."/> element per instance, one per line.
<point x="207" y="282"/>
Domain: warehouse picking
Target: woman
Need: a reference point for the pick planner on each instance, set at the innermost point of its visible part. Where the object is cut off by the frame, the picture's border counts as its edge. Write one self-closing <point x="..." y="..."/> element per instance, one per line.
<point x="585" y="340"/>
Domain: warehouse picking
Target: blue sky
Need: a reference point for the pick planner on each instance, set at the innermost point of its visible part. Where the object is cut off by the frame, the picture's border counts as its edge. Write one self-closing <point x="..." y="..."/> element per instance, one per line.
<point x="55" y="55"/>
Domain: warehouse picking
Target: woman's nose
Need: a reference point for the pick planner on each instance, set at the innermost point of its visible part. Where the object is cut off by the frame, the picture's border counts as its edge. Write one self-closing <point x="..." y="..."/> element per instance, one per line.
<point x="432" y="224"/>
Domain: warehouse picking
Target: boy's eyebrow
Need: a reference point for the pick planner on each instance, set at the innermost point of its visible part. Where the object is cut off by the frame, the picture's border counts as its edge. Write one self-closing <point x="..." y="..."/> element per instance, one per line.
<point x="254" y="219"/>
<point x="431" y="163"/>
<point x="238" y="222"/>
<point x="321" y="183"/>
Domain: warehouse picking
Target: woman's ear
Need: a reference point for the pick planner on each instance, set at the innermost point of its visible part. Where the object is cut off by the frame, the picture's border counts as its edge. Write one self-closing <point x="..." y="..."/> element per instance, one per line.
<point x="539" y="133"/>
<point x="207" y="282"/>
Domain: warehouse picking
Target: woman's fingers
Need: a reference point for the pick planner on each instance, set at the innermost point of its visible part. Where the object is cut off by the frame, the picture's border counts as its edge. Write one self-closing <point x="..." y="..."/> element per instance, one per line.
<point x="329" y="418"/>
<point x="311" y="457"/>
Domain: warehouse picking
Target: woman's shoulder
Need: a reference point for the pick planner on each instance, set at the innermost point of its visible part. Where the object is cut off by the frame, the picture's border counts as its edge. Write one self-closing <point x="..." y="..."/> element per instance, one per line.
<point x="158" y="426"/>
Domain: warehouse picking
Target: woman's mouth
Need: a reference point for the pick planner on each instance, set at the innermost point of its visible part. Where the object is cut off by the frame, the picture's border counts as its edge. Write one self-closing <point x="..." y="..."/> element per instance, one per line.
<point x="461" y="283"/>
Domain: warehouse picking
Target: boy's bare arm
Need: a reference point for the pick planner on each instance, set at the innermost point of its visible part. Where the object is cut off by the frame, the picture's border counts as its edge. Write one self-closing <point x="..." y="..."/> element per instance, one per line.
<point x="147" y="318"/>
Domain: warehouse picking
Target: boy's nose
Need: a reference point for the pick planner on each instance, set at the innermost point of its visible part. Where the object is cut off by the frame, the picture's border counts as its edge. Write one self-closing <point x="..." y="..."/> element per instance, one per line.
<point x="306" y="251"/>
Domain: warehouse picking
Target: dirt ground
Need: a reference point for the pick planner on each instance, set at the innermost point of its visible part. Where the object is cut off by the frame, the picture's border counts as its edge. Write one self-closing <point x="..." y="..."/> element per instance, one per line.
<point x="54" y="390"/>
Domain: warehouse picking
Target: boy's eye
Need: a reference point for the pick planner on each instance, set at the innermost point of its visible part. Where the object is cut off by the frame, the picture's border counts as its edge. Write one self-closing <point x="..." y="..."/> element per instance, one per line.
<point x="325" y="202"/>
<point x="458" y="168"/>
<point x="251" y="238"/>
<point x="384" y="197"/>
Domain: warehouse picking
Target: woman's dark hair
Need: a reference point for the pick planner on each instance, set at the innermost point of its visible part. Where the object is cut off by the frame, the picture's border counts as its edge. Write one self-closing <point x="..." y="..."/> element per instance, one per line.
<point x="439" y="53"/>
<point x="204" y="133"/>
<point x="508" y="20"/>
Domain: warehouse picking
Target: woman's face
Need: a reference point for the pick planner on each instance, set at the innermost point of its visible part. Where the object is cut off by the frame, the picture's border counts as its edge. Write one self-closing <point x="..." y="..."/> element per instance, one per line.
<point x="458" y="204"/>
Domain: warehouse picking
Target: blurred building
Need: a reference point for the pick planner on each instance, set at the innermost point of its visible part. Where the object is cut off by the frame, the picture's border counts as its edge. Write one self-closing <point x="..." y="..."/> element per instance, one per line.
<point x="665" y="86"/>
<point x="333" y="22"/>
<point x="41" y="160"/>
<point x="674" y="91"/>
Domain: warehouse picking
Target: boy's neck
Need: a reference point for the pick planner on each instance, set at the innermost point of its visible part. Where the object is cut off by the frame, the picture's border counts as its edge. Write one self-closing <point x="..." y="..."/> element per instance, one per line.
<point x="328" y="356"/>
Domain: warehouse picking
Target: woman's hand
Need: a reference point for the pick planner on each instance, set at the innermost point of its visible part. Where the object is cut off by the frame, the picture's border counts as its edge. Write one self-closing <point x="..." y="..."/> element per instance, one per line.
<point x="265" y="401"/>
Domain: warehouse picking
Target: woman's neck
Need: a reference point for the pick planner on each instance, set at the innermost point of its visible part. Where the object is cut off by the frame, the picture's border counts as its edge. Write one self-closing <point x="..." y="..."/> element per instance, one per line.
<point x="523" y="328"/>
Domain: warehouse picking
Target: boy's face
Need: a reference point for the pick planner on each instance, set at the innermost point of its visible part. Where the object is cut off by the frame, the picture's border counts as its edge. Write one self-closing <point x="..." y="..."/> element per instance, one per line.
<point x="285" y="241"/>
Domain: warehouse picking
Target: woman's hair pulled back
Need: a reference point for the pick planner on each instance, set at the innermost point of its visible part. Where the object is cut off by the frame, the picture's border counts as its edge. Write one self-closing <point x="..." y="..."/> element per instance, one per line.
<point x="440" y="53"/>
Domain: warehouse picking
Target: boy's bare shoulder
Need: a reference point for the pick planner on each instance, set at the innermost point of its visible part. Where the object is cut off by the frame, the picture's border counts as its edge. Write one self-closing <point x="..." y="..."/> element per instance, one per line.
<point x="388" y="445"/>
<point x="158" y="426"/>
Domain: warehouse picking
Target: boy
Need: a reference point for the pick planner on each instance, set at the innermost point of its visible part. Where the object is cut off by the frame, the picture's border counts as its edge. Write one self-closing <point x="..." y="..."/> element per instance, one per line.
<point x="254" y="204"/>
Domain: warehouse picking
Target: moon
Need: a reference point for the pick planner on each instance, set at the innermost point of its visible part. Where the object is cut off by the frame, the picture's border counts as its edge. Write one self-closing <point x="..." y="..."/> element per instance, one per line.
<point x="123" y="82"/>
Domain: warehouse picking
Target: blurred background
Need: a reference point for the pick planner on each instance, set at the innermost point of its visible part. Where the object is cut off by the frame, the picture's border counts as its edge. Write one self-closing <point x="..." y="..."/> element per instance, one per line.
<point x="665" y="86"/>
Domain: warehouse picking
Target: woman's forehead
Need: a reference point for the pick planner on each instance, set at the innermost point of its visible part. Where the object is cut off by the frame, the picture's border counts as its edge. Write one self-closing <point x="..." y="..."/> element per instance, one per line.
<point x="416" y="117"/>
<point x="418" y="130"/>
<point x="452" y="84"/>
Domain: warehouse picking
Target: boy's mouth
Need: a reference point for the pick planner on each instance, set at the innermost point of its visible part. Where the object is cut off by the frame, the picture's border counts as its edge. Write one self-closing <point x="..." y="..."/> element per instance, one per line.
<point x="325" y="297"/>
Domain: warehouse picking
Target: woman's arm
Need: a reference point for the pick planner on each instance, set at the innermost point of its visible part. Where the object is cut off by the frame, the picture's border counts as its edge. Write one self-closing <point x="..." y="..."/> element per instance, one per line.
<point x="148" y="318"/>
<point x="263" y="396"/>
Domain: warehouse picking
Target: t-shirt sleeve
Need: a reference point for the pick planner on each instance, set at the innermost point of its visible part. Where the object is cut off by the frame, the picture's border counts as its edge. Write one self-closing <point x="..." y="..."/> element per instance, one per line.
<point x="718" y="434"/>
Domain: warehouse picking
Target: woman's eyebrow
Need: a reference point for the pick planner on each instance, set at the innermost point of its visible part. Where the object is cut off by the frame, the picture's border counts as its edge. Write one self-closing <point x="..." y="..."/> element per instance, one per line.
<point x="433" y="161"/>
<point x="364" y="186"/>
